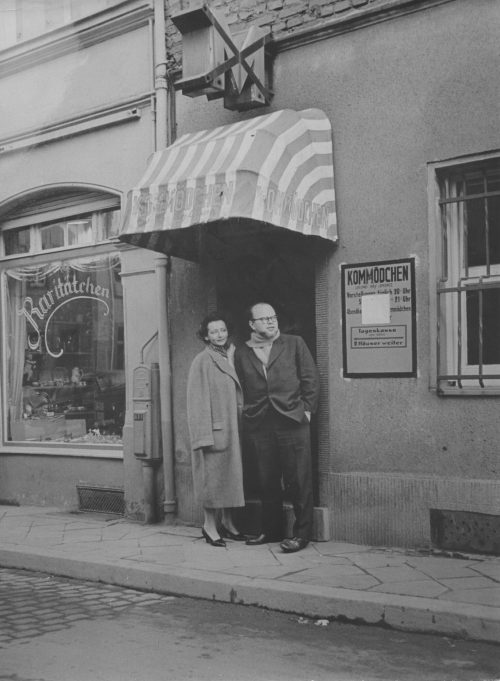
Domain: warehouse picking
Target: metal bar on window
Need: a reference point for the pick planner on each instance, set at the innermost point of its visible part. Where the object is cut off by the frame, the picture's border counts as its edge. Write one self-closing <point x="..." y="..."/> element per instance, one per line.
<point x="472" y="286"/>
<point x="486" y="226"/>
<point x="438" y="334"/>
<point x="459" y="336"/>
<point x="463" y="226"/>
<point x="480" y="332"/>
<point x="444" y="238"/>
<point x="468" y="197"/>
<point x="467" y="377"/>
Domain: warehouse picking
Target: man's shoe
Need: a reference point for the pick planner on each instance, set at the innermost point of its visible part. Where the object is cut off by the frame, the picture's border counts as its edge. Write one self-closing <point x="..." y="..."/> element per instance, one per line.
<point x="260" y="539"/>
<point x="292" y="545"/>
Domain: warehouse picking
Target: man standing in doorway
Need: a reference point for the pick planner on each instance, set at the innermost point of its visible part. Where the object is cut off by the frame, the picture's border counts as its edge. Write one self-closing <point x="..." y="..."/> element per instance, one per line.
<point x="280" y="390"/>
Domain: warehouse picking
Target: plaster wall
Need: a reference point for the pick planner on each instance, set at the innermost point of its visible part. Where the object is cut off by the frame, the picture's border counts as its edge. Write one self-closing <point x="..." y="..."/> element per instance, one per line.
<point x="80" y="81"/>
<point x="140" y="293"/>
<point x="111" y="158"/>
<point x="400" y="94"/>
<point x="39" y="479"/>
<point x="191" y="295"/>
<point x="51" y="480"/>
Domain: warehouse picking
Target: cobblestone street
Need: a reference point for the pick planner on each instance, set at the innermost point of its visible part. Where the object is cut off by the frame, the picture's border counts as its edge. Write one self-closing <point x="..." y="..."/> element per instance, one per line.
<point x="32" y="604"/>
<point x="58" y="629"/>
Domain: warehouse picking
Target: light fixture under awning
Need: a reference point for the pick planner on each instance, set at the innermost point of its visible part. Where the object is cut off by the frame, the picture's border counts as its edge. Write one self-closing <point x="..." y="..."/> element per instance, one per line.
<point x="276" y="170"/>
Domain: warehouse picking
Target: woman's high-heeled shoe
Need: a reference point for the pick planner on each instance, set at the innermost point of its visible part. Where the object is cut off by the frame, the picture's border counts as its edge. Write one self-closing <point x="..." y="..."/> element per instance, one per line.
<point x="231" y="535"/>
<point x="213" y="542"/>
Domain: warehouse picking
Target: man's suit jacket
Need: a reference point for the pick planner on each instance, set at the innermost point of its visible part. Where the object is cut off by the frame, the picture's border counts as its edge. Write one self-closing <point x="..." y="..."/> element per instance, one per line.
<point x="291" y="386"/>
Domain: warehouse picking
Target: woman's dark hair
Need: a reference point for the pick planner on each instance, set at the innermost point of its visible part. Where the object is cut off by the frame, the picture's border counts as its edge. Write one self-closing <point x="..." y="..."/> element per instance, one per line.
<point x="212" y="317"/>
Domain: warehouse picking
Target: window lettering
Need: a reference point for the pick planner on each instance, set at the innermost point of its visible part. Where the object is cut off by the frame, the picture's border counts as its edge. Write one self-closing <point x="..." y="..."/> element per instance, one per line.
<point x="66" y="379"/>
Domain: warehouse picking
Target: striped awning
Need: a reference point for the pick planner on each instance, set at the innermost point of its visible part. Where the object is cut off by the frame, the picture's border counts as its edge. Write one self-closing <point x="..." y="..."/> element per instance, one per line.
<point x="275" y="169"/>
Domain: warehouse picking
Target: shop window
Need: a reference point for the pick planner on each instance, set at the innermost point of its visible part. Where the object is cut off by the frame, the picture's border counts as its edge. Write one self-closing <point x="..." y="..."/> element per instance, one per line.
<point x="63" y="340"/>
<point x="84" y="230"/>
<point x="65" y="351"/>
<point x="24" y="19"/>
<point x="468" y="290"/>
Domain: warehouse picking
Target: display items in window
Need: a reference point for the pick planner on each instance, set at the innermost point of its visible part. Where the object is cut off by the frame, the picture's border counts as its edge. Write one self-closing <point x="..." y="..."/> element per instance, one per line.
<point x="65" y="358"/>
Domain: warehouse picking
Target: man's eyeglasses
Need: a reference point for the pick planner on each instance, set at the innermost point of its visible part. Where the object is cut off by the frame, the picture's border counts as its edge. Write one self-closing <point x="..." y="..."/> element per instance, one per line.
<point x="267" y="320"/>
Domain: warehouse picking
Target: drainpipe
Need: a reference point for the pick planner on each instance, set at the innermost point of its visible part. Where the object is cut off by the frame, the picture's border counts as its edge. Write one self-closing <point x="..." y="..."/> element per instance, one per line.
<point x="169" y="505"/>
<point x="150" y="465"/>
<point x="164" y="127"/>
<point x="160" y="74"/>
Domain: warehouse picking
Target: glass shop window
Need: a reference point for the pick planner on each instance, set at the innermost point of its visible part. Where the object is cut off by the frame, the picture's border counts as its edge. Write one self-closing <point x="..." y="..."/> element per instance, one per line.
<point x="64" y="345"/>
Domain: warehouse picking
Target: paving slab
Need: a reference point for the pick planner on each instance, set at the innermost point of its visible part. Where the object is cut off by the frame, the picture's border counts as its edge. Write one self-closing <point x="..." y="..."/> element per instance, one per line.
<point x="456" y="596"/>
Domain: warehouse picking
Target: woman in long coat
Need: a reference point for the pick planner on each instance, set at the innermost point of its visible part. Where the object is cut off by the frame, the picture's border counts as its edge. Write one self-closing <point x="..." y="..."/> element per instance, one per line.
<point x="214" y="405"/>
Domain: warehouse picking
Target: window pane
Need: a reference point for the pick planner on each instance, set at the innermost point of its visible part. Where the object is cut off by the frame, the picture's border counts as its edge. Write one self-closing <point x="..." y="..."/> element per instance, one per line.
<point x="491" y="326"/>
<point x="476" y="230"/>
<point x="79" y="232"/>
<point x="31" y="19"/>
<point x="7" y="23"/>
<point x="55" y="14"/>
<point x="108" y="224"/>
<point x="16" y="241"/>
<point x="24" y="19"/>
<point x="476" y="234"/>
<point x="83" y="9"/>
<point x="493" y="181"/>
<point x="474" y="183"/>
<point x="494" y="227"/>
<point x="52" y="236"/>
<point x="66" y="379"/>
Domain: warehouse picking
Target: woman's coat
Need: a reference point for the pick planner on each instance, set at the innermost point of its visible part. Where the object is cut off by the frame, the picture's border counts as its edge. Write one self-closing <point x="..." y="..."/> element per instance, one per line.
<point x="214" y="405"/>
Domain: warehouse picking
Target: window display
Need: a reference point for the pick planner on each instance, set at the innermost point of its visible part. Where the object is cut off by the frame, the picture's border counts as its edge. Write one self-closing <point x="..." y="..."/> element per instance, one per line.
<point x="65" y="353"/>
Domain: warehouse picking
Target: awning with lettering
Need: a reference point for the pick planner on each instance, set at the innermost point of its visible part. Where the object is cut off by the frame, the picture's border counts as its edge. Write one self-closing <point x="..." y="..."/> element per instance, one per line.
<point x="274" y="171"/>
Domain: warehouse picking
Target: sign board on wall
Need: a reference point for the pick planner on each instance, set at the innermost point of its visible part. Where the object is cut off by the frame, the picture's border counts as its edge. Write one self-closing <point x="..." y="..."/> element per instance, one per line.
<point x="378" y="319"/>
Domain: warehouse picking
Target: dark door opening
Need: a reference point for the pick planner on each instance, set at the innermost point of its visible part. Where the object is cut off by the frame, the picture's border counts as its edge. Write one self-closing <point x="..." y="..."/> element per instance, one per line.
<point x="283" y="275"/>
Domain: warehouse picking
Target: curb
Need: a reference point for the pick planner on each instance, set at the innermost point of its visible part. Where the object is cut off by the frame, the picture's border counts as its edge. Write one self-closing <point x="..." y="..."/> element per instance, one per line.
<point x="405" y="613"/>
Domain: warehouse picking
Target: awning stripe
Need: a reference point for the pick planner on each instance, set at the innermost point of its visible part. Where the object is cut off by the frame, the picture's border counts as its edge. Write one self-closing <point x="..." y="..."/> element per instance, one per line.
<point x="276" y="168"/>
<point x="314" y="150"/>
<point x="288" y="183"/>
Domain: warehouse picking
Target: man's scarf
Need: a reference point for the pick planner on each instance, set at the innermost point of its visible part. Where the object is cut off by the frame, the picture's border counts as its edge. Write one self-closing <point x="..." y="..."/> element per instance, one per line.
<point x="262" y="346"/>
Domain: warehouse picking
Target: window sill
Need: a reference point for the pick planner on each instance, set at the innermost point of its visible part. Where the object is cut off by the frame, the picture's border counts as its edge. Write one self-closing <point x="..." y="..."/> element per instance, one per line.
<point x="62" y="449"/>
<point x="468" y="391"/>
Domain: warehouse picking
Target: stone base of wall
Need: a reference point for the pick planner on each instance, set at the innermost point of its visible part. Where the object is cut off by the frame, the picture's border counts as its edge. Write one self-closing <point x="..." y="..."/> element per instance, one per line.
<point x="394" y="509"/>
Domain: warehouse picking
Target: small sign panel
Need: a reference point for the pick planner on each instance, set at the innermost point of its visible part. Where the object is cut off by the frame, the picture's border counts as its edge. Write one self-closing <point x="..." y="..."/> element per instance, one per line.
<point x="142" y="384"/>
<point x="378" y="319"/>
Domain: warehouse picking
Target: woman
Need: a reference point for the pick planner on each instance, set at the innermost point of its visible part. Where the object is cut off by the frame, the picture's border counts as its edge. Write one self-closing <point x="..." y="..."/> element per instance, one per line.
<point x="214" y="404"/>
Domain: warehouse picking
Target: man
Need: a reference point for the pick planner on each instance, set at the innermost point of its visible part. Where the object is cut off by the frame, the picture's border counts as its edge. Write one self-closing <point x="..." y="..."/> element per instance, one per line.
<point x="280" y="391"/>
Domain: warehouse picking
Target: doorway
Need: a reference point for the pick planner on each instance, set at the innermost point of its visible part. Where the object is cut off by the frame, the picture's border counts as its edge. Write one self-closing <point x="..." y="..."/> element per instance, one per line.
<point x="281" y="272"/>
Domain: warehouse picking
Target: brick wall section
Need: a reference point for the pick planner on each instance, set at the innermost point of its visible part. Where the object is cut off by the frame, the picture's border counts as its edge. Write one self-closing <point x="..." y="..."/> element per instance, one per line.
<point x="283" y="17"/>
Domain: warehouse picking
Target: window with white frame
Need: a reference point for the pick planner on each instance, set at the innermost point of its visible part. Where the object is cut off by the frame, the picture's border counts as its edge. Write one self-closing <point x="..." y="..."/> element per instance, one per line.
<point x="468" y="288"/>
<point x="21" y="20"/>
<point x="63" y="379"/>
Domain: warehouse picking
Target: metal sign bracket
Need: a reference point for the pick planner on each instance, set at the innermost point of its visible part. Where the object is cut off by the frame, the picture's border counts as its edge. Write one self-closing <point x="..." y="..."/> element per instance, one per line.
<point x="236" y="64"/>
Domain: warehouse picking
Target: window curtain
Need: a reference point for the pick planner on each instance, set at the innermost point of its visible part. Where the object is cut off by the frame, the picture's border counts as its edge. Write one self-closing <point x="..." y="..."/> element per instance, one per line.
<point x="16" y="291"/>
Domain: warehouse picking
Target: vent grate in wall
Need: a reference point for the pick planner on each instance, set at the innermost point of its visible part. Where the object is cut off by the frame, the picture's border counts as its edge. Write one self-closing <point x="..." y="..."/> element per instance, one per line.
<point x="465" y="531"/>
<point x="101" y="499"/>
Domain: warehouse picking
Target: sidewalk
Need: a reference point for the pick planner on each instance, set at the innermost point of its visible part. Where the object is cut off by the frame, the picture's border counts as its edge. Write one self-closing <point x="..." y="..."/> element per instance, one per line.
<point x="403" y="589"/>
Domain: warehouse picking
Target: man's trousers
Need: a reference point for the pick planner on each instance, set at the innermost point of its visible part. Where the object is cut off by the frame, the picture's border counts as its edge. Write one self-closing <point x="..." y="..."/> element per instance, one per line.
<point x="281" y="450"/>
